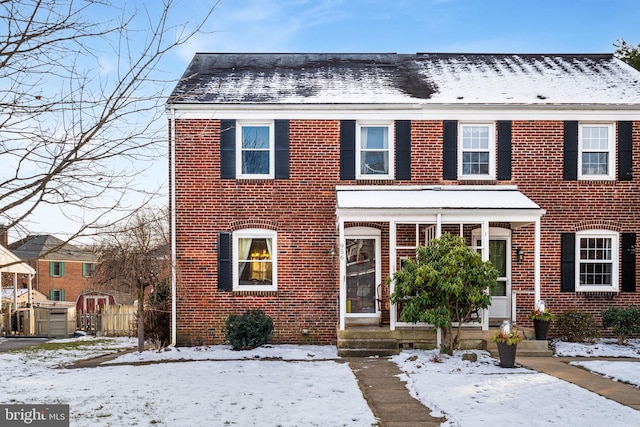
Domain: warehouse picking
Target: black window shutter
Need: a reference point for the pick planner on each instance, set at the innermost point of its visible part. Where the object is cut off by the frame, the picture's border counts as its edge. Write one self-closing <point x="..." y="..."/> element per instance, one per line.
<point x="225" y="262"/>
<point x="570" y="151"/>
<point x="227" y="149"/>
<point x="403" y="150"/>
<point x="450" y="150"/>
<point x="347" y="149"/>
<point x="625" y="150"/>
<point x="568" y="249"/>
<point x="282" y="149"/>
<point x="504" y="150"/>
<point x="628" y="262"/>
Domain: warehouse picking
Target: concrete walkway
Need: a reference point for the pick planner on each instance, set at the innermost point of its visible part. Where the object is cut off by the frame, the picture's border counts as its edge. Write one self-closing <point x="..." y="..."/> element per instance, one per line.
<point x="560" y="368"/>
<point x="387" y="396"/>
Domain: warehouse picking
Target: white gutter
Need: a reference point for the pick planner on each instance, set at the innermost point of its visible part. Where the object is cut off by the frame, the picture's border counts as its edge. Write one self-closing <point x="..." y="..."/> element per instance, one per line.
<point x="172" y="207"/>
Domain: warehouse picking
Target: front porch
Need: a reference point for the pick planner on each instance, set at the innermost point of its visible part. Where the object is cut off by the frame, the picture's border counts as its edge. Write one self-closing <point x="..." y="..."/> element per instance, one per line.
<point x="372" y="340"/>
<point x="380" y="226"/>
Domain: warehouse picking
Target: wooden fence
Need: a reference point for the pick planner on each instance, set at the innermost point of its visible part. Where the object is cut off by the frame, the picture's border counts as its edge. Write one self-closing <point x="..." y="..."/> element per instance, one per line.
<point x="112" y="321"/>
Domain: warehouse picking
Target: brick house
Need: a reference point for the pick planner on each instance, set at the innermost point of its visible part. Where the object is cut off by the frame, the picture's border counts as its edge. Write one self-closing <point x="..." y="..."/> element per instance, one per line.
<point x="299" y="182"/>
<point x="62" y="271"/>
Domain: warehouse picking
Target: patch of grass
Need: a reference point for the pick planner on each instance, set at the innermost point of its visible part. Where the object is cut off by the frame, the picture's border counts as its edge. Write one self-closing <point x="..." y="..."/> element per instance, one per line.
<point x="55" y="346"/>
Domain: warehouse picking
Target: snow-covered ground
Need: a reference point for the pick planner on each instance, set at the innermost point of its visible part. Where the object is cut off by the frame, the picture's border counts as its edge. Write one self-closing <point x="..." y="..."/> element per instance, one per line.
<point x="300" y="386"/>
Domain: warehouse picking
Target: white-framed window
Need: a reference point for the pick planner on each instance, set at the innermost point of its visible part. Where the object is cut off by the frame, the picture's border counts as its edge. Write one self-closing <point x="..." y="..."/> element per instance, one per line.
<point x="56" y="269"/>
<point x="255" y="260"/>
<point x="477" y="150"/>
<point x="596" y="156"/>
<point x="597" y="256"/>
<point x="374" y="150"/>
<point x="255" y="148"/>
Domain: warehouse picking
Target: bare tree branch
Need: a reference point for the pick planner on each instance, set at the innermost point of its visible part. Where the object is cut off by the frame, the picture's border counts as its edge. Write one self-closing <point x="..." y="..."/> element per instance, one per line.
<point x="82" y="106"/>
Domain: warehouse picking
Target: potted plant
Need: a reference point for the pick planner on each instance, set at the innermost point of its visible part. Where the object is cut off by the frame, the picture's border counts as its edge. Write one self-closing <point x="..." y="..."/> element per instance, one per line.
<point x="507" y="340"/>
<point x="541" y="317"/>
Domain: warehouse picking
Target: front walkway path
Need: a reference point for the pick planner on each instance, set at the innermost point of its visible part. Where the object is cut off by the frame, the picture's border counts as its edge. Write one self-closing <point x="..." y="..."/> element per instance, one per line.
<point x="559" y="367"/>
<point x="387" y="396"/>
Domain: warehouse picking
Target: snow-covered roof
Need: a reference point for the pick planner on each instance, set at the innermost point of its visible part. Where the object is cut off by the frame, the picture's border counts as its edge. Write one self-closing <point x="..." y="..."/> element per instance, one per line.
<point x="423" y="78"/>
<point x="433" y="198"/>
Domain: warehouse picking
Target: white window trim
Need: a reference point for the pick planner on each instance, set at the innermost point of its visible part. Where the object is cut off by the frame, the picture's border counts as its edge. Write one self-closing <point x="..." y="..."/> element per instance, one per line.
<point x="615" y="260"/>
<point x="272" y="162"/>
<point x="611" y="167"/>
<point x="392" y="145"/>
<point x="492" y="151"/>
<point x="255" y="233"/>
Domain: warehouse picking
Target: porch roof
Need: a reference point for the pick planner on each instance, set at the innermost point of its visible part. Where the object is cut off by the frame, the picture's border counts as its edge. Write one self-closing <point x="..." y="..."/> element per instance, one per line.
<point x="453" y="202"/>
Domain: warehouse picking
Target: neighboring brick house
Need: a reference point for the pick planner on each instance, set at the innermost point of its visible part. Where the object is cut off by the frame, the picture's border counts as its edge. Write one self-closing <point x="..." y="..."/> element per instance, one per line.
<point x="63" y="271"/>
<point x="300" y="181"/>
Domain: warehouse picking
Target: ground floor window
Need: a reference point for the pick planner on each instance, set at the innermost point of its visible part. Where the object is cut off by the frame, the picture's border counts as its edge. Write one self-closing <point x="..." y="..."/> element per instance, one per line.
<point x="254" y="256"/>
<point x="597" y="260"/>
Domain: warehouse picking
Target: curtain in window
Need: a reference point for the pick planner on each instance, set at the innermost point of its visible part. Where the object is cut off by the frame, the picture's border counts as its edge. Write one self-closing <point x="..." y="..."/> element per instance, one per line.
<point x="244" y="246"/>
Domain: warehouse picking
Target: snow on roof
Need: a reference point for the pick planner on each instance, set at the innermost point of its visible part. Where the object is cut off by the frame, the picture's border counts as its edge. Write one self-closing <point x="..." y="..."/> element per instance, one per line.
<point x="436" y="198"/>
<point x="423" y="78"/>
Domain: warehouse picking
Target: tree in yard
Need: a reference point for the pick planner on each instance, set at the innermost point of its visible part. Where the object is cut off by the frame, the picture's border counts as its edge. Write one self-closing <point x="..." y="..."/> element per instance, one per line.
<point x="136" y="258"/>
<point x="627" y="53"/>
<point x="82" y="106"/>
<point x="446" y="283"/>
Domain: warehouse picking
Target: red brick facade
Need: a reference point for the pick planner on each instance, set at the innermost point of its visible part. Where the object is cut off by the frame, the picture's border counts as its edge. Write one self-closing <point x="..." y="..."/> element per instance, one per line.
<point x="73" y="283"/>
<point x="302" y="210"/>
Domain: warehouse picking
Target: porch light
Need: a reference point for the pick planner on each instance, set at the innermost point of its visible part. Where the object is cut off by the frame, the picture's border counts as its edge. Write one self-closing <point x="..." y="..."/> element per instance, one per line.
<point x="520" y="254"/>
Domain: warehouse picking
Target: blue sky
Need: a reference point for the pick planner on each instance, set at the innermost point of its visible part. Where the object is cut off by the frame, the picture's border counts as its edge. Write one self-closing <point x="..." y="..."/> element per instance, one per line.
<point x="409" y="26"/>
<point x="403" y="26"/>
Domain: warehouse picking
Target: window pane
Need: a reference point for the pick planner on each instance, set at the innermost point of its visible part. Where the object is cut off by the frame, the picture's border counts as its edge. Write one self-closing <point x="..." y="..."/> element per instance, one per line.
<point x="475" y="163"/>
<point x="374" y="163"/>
<point x="255" y="162"/>
<point x="595" y="138"/>
<point x="595" y="248"/>
<point x="374" y="138"/>
<point x="595" y="274"/>
<point x="475" y="137"/>
<point x="595" y="163"/>
<point x="255" y="137"/>
<point x="255" y="265"/>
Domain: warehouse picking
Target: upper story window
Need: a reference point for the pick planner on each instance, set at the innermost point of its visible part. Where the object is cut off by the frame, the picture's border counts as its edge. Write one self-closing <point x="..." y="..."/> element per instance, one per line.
<point x="255" y="150"/>
<point x="476" y="150"/>
<point x="596" y="157"/>
<point x="374" y="150"/>
<point x="56" y="269"/>
<point x="597" y="260"/>
<point x="88" y="269"/>
<point x="254" y="260"/>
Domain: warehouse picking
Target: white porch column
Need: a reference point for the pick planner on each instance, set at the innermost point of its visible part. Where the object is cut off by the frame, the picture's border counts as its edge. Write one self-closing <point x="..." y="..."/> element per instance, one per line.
<point x="438" y="226"/>
<point x="485" y="257"/>
<point x="29" y="287"/>
<point x="393" y="310"/>
<point x="343" y="275"/>
<point x="536" y="262"/>
<point x="15" y="291"/>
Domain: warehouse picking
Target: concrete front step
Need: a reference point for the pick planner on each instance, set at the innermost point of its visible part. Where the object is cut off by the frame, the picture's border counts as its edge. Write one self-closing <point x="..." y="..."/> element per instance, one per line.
<point x="367" y="352"/>
<point x="526" y="348"/>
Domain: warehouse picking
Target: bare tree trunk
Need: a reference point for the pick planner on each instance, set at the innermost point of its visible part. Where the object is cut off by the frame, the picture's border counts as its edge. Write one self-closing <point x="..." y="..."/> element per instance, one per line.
<point x="140" y="318"/>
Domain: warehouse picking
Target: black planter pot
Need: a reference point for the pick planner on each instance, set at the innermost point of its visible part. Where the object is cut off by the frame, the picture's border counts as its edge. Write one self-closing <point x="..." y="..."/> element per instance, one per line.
<point x="542" y="329"/>
<point x="507" y="354"/>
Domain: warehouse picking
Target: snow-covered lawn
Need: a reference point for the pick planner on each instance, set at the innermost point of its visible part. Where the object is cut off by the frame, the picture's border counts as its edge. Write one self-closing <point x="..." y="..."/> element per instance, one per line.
<point x="296" y="386"/>
<point x="271" y="392"/>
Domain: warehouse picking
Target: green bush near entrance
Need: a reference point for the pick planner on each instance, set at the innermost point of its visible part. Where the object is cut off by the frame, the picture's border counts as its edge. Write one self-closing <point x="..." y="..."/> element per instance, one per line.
<point x="249" y="330"/>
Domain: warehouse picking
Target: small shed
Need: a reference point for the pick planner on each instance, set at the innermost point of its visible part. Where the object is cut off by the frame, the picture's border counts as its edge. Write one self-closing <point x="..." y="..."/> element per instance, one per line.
<point x="55" y="319"/>
<point x="93" y="302"/>
<point x="22" y="295"/>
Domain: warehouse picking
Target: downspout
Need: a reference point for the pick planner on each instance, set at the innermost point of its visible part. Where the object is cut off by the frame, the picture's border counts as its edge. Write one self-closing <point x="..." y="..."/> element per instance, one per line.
<point x="172" y="207"/>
